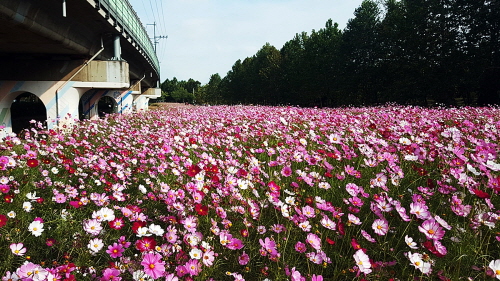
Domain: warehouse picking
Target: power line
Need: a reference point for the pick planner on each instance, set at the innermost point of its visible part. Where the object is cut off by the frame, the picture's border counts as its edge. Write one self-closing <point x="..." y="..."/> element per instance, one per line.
<point x="156" y="39"/>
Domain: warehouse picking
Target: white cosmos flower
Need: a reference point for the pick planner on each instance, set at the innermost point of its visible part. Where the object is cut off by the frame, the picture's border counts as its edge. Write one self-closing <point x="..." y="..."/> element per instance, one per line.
<point x="195" y="253"/>
<point x="363" y="262"/>
<point x="156" y="230"/>
<point x="92" y="226"/>
<point x="17" y="249"/>
<point x="417" y="261"/>
<point x="142" y="189"/>
<point x="106" y="214"/>
<point x="36" y="228"/>
<point x="32" y="196"/>
<point x="27" y="206"/>
<point x="495" y="266"/>
<point x="143" y="231"/>
<point x="95" y="245"/>
<point x="409" y="241"/>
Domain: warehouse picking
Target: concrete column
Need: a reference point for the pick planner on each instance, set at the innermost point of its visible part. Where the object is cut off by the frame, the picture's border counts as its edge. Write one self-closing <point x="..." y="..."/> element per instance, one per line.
<point x="117" y="48"/>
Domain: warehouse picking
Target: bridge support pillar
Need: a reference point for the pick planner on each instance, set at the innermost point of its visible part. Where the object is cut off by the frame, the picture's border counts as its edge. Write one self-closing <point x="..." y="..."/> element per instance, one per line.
<point x="67" y="101"/>
<point x="117" y="49"/>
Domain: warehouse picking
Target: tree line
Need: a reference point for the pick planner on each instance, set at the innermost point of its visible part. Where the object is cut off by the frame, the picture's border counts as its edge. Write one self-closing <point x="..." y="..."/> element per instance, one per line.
<point x="419" y="52"/>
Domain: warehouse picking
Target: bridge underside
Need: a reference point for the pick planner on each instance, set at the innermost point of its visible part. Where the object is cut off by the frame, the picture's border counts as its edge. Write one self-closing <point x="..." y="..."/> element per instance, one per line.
<point x="61" y="58"/>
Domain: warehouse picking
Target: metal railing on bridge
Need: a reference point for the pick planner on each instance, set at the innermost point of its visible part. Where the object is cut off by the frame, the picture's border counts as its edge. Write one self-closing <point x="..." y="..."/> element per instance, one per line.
<point x="125" y="15"/>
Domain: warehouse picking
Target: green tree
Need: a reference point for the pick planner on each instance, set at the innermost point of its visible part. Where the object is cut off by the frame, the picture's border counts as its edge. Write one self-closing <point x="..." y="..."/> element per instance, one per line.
<point x="293" y="71"/>
<point x="360" y="55"/>
<point x="213" y="90"/>
<point x="265" y="73"/>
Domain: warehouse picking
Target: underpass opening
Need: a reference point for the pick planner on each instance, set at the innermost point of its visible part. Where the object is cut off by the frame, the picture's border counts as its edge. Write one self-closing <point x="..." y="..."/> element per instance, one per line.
<point x="26" y="107"/>
<point x="106" y="105"/>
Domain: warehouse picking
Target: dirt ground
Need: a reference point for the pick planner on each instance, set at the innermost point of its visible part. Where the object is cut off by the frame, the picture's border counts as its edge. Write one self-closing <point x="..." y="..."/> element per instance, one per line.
<point x="165" y="105"/>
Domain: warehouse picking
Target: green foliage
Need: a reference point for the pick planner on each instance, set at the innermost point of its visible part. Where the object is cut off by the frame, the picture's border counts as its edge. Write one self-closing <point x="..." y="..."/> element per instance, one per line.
<point x="410" y="52"/>
<point x="179" y="91"/>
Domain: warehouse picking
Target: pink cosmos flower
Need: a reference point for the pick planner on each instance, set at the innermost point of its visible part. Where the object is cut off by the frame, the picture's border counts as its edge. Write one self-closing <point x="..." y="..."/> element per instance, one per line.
<point x="261" y="229"/>
<point x="115" y="250"/>
<point x="237" y="276"/>
<point x="402" y="212"/>
<point x="10" y="276"/>
<point x="356" y="201"/>
<point x="314" y="241"/>
<point x="153" y="265"/>
<point x="181" y="270"/>
<point x="353" y="219"/>
<point x="317" y="277"/>
<point x="367" y="236"/>
<point x="440" y="248"/>
<point x="193" y="267"/>
<point x="296" y="276"/>
<point x="31" y="271"/>
<point x="432" y="229"/>
<point x="171" y="277"/>
<point x="380" y="226"/>
<point x="315" y="257"/>
<point x="208" y="258"/>
<point x="352" y="189"/>
<point x="328" y="223"/>
<point x="362" y="261"/>
<point x="190" y="223"/>
<point x="308" y="211"/>
<point x="420" y="210"/>
<point x="171" y="234"/>
<point x="269" y="246"/>
<point x="60" y="198"/>
<point x="111" y="274"/>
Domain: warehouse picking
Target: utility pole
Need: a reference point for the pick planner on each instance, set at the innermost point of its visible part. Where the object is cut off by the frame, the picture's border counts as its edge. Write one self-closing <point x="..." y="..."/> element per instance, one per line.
<point x="156" y="39"/>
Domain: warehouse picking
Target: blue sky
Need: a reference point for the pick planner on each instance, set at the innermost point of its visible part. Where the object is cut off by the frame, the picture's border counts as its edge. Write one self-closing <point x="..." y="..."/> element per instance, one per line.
<point x="208" y="36"/>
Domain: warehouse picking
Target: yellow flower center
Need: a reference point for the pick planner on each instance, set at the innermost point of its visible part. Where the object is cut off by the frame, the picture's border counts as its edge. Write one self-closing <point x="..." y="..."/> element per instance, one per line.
<point x="430" y="231"/>
<point x="417" y="263"/>
<point x="151" y="266"/>
<point x="379" y="227"/>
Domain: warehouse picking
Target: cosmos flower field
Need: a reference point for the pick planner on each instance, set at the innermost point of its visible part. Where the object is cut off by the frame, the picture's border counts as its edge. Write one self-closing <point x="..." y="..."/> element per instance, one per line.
<point x="255" y="193"/>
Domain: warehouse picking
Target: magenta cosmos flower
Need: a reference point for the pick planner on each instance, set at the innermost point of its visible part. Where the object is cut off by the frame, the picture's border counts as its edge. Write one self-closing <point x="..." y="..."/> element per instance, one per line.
<point x="153" y="265"/>
<point x="115" y="250"/>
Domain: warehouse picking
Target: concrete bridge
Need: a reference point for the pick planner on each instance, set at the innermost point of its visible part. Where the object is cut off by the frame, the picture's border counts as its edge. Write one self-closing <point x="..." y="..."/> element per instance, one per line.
<point x="62" y="61"/>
